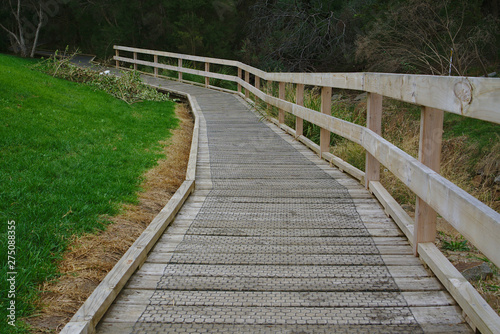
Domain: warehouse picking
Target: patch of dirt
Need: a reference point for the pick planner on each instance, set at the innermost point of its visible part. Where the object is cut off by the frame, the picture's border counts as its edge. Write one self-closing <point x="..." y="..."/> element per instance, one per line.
<point x="90" y="257"/>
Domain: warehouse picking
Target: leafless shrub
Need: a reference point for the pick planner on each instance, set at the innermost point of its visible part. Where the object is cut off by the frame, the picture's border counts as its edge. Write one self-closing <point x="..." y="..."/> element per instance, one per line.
<point x="422" y="36"/>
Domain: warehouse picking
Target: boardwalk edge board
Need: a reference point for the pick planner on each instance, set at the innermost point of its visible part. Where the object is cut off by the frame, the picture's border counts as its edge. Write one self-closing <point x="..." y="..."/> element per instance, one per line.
<point x="475" y="307"/>
<point x="393" y="209"/>
<point x="90" y="313"/>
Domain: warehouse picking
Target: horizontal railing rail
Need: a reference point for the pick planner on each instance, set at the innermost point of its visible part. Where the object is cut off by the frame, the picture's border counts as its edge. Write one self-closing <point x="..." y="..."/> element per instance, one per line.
<point x="467" y="96"/>
<point x="470" y="97"/>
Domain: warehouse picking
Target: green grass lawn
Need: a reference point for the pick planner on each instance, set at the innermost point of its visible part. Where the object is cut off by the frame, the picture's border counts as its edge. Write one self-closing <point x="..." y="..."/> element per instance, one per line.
<point x="68" y="156"/>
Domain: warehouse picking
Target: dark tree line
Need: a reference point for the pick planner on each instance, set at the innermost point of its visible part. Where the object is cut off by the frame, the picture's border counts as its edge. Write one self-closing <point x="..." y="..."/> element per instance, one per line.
<point x="409" y="36"/>
<point x="210" y="27"/>
<point x="412" y="36"/>
<point x="22" y="22"/>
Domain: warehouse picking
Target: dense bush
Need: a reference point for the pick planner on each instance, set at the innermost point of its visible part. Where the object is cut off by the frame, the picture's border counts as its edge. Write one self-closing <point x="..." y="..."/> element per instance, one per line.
<point x="415" y="36"/>
<point x="426" y="36"/>
<point x="127" y="86"/>
<point x="410" y="36"/>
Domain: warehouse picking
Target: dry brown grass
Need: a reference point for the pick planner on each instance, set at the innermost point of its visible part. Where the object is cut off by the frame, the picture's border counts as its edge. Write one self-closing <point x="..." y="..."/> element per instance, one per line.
<point x="90" y="257"/>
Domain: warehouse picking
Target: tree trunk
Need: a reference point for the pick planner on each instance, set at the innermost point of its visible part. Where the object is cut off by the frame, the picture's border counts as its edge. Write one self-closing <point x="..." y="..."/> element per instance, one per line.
<point x="20" y="43"/>
<point x="35" y="41"/>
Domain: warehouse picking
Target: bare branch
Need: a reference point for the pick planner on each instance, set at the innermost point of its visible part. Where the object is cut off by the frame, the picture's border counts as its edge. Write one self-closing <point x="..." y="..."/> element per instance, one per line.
<point x="38" y="28"/>
<point x="10" y="33"/>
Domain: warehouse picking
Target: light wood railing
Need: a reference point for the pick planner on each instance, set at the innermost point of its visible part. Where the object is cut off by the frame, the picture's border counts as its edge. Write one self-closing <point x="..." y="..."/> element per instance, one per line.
<point x="467" y="96"/>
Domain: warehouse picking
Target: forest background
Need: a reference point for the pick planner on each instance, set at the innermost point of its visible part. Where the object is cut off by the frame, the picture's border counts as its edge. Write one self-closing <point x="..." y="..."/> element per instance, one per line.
<point x="404" y="36"/>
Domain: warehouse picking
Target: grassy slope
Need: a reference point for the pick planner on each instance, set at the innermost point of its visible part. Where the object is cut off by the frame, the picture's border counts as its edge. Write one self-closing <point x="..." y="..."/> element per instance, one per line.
<point x="69" y="156"/>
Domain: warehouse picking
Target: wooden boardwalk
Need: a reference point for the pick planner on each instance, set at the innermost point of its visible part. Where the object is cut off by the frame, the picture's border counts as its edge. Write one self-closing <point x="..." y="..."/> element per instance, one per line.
<point x="274" y="240"/>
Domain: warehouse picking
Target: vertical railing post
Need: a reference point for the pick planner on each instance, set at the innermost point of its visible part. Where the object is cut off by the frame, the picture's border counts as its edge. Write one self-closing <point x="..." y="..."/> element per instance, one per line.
<point x="326" y="108"/>
<point x="156" y="65"/>
<point x="281" y="96"/>
<point x="257" y="85"/>
<point x="269" y="91"/>
<point x="247" y="80"/>
<point x="239" y="77"/>
<point x="299" y="99"/>
<point x="374" y="123"/>
<point x="179" y="64"/>
<point x="117" y="53"/>
<point x="431" y="135"/>
<point x="135" y="58"/>
<point x="207" y="79"/>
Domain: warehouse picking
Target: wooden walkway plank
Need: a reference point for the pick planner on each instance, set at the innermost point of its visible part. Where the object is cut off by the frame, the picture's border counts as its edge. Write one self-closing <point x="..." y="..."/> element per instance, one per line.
<point x="274" y="239"/>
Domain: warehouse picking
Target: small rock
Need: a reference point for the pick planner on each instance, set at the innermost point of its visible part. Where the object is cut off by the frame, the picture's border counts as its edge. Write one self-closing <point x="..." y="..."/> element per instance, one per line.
<point x="407" y="207"/>
<point x="336" y="97"/>
<point x="497" y="179"/>
<point x="474" y="271"/>
<point x="361" y="97"/>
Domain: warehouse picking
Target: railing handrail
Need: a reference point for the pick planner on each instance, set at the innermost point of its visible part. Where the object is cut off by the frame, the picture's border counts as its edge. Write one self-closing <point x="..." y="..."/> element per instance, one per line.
<point x="467" y="96"/>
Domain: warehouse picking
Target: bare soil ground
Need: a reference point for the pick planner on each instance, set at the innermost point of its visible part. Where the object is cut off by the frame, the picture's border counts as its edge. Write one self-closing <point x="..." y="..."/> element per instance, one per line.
<point x="90" y="257"/>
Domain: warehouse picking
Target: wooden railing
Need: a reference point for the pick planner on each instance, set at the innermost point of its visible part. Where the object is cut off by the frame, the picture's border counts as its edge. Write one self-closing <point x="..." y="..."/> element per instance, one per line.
<point x="470" y="97"/>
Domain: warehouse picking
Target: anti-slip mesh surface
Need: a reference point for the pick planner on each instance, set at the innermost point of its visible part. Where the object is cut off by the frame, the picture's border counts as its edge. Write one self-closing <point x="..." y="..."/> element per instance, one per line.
<point x="277" y="246"/>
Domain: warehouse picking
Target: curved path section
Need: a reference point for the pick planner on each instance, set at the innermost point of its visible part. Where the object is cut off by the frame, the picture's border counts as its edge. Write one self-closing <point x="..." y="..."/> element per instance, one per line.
<point x="274" y="240"/>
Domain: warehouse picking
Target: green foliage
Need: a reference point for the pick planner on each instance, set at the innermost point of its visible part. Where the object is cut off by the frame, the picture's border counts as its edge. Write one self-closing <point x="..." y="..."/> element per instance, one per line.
<point x="456" y="246"/>
<point x="492" y="287"/>
<point x="71" y="156"/>
<point x="413" y="36"/>
<point x="482" y="258"/>
<point x="128" y="86"/>
<point x="482" y="133"/>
